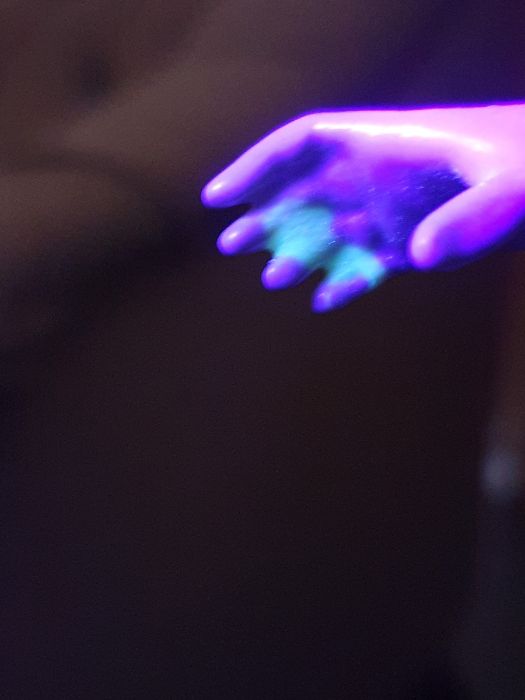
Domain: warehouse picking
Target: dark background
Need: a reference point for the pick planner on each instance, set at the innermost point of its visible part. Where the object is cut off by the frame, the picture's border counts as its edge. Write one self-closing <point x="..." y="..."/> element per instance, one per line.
<point x="209" y="492"/>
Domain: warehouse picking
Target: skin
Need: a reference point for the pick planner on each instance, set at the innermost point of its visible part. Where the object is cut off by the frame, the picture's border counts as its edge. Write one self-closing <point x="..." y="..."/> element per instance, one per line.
<point x="321" y="185"/>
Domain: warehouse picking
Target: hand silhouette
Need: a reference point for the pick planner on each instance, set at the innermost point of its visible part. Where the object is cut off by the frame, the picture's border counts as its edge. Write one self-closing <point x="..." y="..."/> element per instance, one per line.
<point x="365" y="194"/>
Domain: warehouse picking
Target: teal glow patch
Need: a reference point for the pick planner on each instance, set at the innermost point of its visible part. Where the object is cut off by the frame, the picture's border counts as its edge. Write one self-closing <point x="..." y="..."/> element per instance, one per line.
<point x="353" y="261"/>
<point x="305" y="235"/>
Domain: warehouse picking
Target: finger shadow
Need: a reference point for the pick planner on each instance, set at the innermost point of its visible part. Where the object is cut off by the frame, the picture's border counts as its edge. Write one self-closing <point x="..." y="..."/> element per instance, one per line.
<point x="279" y="175"/>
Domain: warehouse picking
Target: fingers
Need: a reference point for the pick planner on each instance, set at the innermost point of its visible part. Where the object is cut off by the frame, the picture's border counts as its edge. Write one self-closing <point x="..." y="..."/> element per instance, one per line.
<point x="299" y="238"/>
<point x="232" y="185"/>
<point x="300" y="244"/>
<point x="473" y="221"/>
<point x="303" y="239"/>
<point x="351" y="272"/>
<point x="251" y="233"/>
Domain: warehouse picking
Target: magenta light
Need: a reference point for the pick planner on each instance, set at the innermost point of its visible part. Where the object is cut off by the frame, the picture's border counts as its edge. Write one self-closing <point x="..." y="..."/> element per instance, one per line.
<point x="364" y="194"/>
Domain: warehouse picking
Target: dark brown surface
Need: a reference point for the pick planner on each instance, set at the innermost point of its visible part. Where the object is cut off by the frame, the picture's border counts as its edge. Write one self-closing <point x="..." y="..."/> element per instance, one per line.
<point x="213" y="491"/>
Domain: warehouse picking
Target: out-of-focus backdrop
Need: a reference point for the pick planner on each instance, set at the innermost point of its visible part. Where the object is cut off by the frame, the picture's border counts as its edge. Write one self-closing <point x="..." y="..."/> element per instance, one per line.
<point x="206" y="491"/>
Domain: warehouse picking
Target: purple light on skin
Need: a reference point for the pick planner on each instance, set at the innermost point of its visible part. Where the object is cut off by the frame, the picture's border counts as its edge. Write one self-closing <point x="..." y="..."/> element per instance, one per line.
<point x="329" y="297"/>
<point x="365" y="194"/>
<point x="283" y="272"/>
<point x="247" y="235"/>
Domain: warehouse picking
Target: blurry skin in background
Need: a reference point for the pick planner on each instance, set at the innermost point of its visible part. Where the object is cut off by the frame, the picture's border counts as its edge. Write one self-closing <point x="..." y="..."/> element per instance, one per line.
<point x="206" y="491"/>
<point x="154" y="90"/>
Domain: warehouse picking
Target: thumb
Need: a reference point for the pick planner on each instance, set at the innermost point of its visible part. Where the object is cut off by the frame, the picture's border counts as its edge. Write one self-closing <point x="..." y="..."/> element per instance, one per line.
<point x="474" y="221"/>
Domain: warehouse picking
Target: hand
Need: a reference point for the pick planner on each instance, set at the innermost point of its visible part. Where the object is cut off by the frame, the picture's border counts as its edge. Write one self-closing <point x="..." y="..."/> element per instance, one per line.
<point x="364" y="194"/>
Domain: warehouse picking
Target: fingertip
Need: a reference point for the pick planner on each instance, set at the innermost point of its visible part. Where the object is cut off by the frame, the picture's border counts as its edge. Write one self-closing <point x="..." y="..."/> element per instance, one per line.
<point x="215" y="194"/>
<point x="425" y="249"/>
<point x="321" y="302"/>
<point x="283" y="272"/>
<point x="333" y="296"/>
<point x="243" y="236"/>
<point x="226" y="243"/>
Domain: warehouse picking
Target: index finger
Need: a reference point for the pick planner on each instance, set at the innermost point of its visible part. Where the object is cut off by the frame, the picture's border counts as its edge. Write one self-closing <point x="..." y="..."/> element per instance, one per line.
<point x="233" y="184"/>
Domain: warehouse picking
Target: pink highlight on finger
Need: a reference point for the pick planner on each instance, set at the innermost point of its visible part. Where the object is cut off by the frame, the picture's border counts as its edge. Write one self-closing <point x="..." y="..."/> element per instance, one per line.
<point x="353" y="227"/>
<point x="332" y="296"/>
<point x="426" y="251"/>
<point x="246" y="235"/>
<point x="211" y="194"/>
<point x="231" y="185"/>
